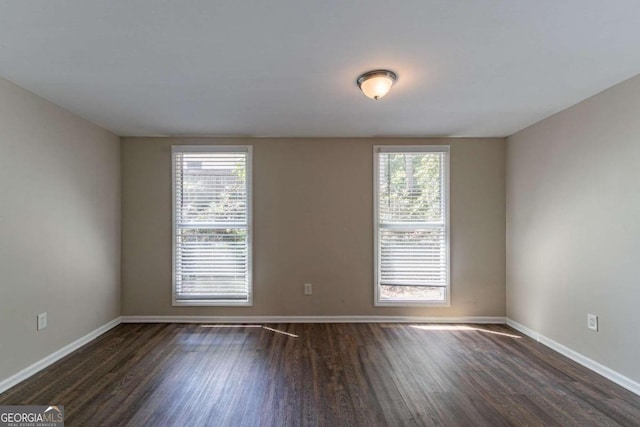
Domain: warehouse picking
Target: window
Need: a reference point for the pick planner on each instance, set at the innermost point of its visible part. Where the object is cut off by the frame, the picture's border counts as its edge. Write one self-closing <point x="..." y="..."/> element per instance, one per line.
<point x="411" y="215"/>
<point x="212" y="225"/>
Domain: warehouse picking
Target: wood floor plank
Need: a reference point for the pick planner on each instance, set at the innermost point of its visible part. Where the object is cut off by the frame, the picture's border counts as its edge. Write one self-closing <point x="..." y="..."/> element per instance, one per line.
<point x="324" y="375"/>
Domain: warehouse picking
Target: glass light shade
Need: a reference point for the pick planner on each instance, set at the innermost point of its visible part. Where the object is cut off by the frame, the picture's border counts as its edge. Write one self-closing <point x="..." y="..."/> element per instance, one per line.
<point x="376" y="84"/>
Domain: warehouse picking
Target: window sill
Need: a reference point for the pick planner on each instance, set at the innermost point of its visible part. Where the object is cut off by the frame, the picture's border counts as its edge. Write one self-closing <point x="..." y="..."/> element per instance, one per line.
<point x="442" y="304"/>
<point x="211" y="303"/>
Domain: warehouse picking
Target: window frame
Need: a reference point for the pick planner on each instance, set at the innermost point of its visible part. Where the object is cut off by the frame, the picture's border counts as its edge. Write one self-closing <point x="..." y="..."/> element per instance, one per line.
<point x="248" y="149"/>
<point x="377" y="149"/>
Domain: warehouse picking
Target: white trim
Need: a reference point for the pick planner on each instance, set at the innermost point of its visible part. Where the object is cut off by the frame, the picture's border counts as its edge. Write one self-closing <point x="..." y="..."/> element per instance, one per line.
<point x="206" y="148"/>
<point x="173" y="224"/>
<point x="446" y="149"/>
<point x="312" y="319"/>
<point x="249" y="171"/>
<point x="399" y="149"/>
<point x="591" y="364"/>
<point x="55" y="356"/>
<point x="521" y="328"/>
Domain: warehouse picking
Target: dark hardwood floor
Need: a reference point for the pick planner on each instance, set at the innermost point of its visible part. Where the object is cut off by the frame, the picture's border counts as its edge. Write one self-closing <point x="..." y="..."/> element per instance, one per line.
<point x="325" y="375"/>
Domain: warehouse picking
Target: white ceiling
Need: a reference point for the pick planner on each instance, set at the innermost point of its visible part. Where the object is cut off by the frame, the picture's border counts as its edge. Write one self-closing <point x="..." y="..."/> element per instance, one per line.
<point x="288" y="67"/>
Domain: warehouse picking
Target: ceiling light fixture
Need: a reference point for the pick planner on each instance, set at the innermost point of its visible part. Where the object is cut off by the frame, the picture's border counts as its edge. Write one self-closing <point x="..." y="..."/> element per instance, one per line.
<point x="376" y="84"/>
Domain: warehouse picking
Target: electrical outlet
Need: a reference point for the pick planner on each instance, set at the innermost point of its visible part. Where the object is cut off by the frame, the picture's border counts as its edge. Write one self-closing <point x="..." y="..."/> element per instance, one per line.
<point x="42" y="321"/>
<point x="308" y="288"/>
<point x="592" y="322"/>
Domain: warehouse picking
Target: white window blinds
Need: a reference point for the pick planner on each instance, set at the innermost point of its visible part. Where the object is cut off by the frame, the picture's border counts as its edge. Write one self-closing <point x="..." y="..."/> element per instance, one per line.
<point x="212" y="233"/>
<point x="412" y="262"/>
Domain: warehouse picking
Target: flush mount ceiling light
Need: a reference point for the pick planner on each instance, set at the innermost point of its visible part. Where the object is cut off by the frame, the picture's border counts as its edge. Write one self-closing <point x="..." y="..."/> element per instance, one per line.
<point x="376" y="84"/>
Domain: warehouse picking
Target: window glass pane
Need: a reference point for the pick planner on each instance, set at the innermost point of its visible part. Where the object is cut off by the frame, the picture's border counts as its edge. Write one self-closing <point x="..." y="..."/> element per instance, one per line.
<point x="415" y="257"/>
<point x="410" y="187"/>
<point x="213" y="188"/>
<point x="213" y="264"/>
<point x="411" y="293"/>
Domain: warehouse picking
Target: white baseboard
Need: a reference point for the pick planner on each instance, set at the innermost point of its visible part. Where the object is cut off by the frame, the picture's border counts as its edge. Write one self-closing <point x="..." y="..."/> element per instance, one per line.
<point x="54" y="357"/>
<point x="310" y="319"/>
<point x="596" y="367"/>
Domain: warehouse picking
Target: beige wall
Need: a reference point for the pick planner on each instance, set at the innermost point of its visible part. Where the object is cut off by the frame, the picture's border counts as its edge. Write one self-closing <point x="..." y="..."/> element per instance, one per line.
<point x="573" y="227"/>
<point x="313" y="223"/>
<point x="59" y="227"/>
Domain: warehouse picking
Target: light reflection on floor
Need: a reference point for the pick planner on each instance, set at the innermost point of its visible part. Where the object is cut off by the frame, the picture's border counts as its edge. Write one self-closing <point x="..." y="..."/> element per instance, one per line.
<point x="423" y="327"/>
<point x="252" y="326"/>
<point x="461" y="328"/>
